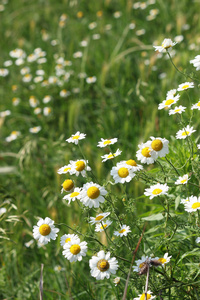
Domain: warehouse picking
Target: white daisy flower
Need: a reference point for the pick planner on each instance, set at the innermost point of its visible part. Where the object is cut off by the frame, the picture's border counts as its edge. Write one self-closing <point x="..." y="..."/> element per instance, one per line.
<point x="156" y="190"/>
<point x="185" y="86"/>
<point x="122" y="173"/>
<point x="98" y="218"/>
<point x="75" y="195"/>
<point x="58" y="268"/>
<point x="66" y="169"/>
<point x="142" y="296"/>
<point x="80" y="166"/>
<point x="144" y="153"/>
<point x="76" y="137"/>
<point x="64" y="93"/>
<point x="198" y="146"/>
<point x="124" y="230"/>
<point x="45" y="231"/>
<point x="183" y="201"/>
<point x="102" y="266"/>
<point x="164" y="260"/>
<point x="3" y="72"/>
<point x="196" y="62"/>
<point x="183" y="133"/>
<point x="182" y="179"/>
<point x="196" y="106"/>
<point x="169" y="101"/>
<point x="67" y="238"/>
<point x="192" y="205"/>
<point x="177" y="110"/>
<point x="46" y="99"/>
<point x="92" y="194"/>
<point x="116" y="281"/>
<point x="47" y="111"/>
<point x="167" y="44"/>
<point x="37" y="110"/>
<point x="3" y="210"/>
<point x="104" y="143"/>
<point x="13" y="136"/>
<point x="132" y="164"/>
<point x="27" y="78"/>
<point x="33" y="101"/>
<point x="171" y="93"/>
<point x="102" y="226"/>
<point x="5" y="113"/>
<point x="78" y="54"/>
<point x="197" y="240"/>
<point x="74" y="250"/>
<point x="159" y="146"/>
<point x="111" y="155"/>
<point x="67" y="186"/>
<point x="35" y="129"/>
<point x="140" y="263"/>
<point x="91" y="79"/>
<point x="17" y="53"/>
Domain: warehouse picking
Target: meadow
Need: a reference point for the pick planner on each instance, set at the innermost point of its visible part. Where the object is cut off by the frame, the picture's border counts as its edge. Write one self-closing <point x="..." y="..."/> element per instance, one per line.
<point x="80" y="80"/>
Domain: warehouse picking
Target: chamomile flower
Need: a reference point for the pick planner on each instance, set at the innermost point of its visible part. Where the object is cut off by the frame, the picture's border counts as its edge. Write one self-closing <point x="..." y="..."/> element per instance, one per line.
<point x="5" y="113"/>
<point x="185" y="86"/>
<point x="67" y="238"/>
<point x="13" y="136"/>
<point x="198" y="146"/>
<point x="75" y="195"/>
<point x="124" y="230"/>
<point x="183" y="201"/>
<point x="92" y="194"/>
<point x="167" y="44"/>
<point x="3" y="72"/>
<point x="159" y="146"/>
<point x="47" y="111"/>
<point x="122" y="173"/>
<point x="183" y="133"/>
<point x="169" y="101"/>
<point x="171" y="93"/>
<point x="45" y="231"/>
<point x="67" y="186"/>
<point x="132" y="164"/>
<point x="103" y="143"/>
<point x="75" y="249"/>
<point x="182" y="179"/>
<point x="80" y="166"/>
<point x="140" y="263"/>
<point x="111" y="155"/>
<point x="164" y="260"/>
<point x="196" y="62"/>
<point x="197" y="240"/>
<point x="33" y="101"/>
<point x="76" y="137"/>
<point x="66" y="169"/>
<point x="116" y="281"/>
<point x="102" y="226"/>
<point x="177" y="110"/>
<point x="98" y="218"/>
<point x="91" y="79"/>
<point x="156" y="190"/>
<point x="144" y="153"/>
<point x="102" y="266"/>
<point x="192" y="205"/>
<point x="35" y="129"/>
<point x="142" y="296"/>
<point x="196" y="106"/>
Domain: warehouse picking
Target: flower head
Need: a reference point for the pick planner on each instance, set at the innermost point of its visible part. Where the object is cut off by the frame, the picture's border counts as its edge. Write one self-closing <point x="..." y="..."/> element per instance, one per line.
<point x="122" y="173"/>
<point x="124" y="230"/>
<point x="144" y="153"/>
<point x="74" y="249"/>
<point x="13" y="136"/>
<point x="80" y="166"/>
<point x="92" y="194"/>
<point x="169" y="101"/>
<point x="102" y="266"/>
<point x="159" y="147"/>
<point x="196" y="62"/>
<point x="76" y="137"/>
<point x="102" y="226"/>
<point x="35" y="129"/>
<point x="164" y="260"/>
<point x="99" y="218"/>
<point x="185" y="86"/>
<point x="149" y="296"/>
<point x="67" y="238"/>
<point x="103" y="143"/>
<point x="140" y="263"/>
<point x="45" y="231"/>
<point x="132" y="164"/>
<point x="75" y="195"/>
<point x="196" y="106"/>
<point x="67" y="185"/>
<point x="66" y="169"/>
<point x="111" y="155"/>
<point x="177" y="110"/>
<point x="193" y="204"/>
<point x="156" y="190"/>
<point x="167" y="44"/>
<point x="183" y="133"/>
<point x="116" y="281"/>
<point x="182" y="179"/>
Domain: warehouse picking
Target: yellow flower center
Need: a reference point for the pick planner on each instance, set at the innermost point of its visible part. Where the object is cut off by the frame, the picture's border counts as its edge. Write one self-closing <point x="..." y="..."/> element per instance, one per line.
<point x="107" y="142"/>
<point x="157" y="145"/>
<point x="123" y="172"/>
<point x="93" y="192"/>
<point x="75" y="249"/>
<point x="169" y="101"/>
<point x="68" y="184"/>
<point x="123" y="230"/>
<point x="131" y="162"/>
<point x="66" y="169"/>
<point x="141" y="265"/>
<point x="198" y="104"/>
<point x="110" y="156"/>
<point x="14" y="132"/>
<point x="156" y="191"/>
<point x="103" y="265"/>
<point x="76" y="137"/>
<point x="143" y="296"/>
<point x="103" y="226"/>
<point x="80" y="165"/>
<point x="185" y="133"/>
<point x="67" y="240"/>
<point x="146" y="152"/>
<point x="162" y="260"/>
<point x="177" y="110"/>
<point x="186" y="86"/>
<point x="98" y="218"/>
<point x="44" y="229"/>
<point x="183" y="181"/>
<point x="196" y="205"/>
<point x="74" y="194"/>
